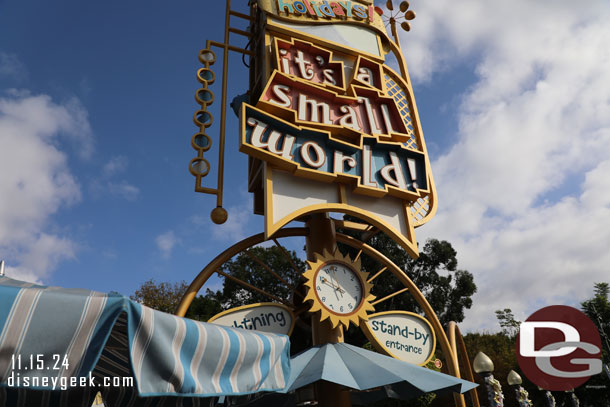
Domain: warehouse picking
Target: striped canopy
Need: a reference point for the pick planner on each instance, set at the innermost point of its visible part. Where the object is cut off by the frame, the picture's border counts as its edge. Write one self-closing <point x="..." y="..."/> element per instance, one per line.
<point x="50" y="336"/>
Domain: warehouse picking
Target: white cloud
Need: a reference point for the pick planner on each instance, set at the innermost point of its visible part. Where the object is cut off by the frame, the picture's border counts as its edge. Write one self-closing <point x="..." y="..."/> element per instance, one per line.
<point x="36" y="180"/>
<point x="124" y="190"/>
<point x="240" y="222"/>
<point x="537" y="118"/>
<point x="166" y="243"/>
<point x="236" y="226"/>
<point x="105" y="185"/>
<point x="115" y="166"/>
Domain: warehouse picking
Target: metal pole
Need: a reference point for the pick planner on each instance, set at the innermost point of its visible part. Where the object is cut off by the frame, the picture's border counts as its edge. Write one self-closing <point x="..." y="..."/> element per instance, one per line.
<point x="1" y="268"/>
<point x="550" y="400"/>
<point x="495" y="398"/>
<point x="574" y="401"/>
<point x="322" y="237"/>
<point x="522" y="396"/>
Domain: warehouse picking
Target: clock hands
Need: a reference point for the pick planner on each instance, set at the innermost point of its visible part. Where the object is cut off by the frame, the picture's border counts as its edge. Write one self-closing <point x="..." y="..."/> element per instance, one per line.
<point x="330" y="284"/>
<point x="335" y="274"/>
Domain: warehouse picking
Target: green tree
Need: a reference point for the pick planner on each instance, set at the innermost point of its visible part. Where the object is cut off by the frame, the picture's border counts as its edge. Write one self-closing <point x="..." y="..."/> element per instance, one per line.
<point x="163" y="296"/>
<point x="596" y="391"/>
<point x="508" y="323"/>
<point x="203" y="308"/>
<point x="448" y="289"/>
<point x="254" y="269"/>
<point x="598" y="309"/>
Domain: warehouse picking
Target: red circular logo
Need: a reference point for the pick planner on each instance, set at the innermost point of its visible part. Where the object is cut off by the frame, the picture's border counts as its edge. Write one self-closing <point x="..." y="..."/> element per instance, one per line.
<point x="559" y="348"/>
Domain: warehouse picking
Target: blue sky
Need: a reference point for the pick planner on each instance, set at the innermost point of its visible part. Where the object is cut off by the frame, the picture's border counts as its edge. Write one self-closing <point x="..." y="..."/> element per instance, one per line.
<point x="96" y="104"/>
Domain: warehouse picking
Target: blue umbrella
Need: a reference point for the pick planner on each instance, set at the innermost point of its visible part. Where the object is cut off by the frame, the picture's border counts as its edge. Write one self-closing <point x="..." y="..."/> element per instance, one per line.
<point x="362" y="369"/>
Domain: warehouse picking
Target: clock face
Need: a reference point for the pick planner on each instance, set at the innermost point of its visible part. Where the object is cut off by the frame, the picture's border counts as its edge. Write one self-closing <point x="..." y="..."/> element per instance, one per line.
<point x="338" y="288"/>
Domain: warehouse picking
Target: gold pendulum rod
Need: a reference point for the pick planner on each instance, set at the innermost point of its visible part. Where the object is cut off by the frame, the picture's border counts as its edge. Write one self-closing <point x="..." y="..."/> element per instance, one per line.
<point x="223" y="108"/>
<point x="219" y="214"/>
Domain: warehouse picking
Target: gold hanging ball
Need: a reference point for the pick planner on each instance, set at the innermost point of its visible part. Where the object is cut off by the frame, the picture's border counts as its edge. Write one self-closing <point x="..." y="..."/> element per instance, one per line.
<point x="389" y="5"/>
<point x="404" y="5"/>
<point x="410" y="15"/>
<point x="219" y="215"/>
<point x="405" y="26"/>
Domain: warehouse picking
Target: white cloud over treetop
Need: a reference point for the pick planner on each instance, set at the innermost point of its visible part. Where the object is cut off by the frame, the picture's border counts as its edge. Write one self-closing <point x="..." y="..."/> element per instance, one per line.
<point x="36" y="180"/>
<point x="523" y="194"/>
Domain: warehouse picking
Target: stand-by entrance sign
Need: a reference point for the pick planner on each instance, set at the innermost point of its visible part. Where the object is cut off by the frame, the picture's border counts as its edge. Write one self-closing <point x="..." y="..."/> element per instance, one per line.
<point x="402" y="335"/>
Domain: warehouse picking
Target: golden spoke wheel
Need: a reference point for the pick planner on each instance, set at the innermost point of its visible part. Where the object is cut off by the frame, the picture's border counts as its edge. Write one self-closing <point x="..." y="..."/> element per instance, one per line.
<point x="296" y="299"/>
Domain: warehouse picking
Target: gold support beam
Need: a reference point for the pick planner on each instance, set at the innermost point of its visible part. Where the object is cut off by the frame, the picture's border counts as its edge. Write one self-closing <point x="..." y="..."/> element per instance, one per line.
<point x="322" y="237"/>
<point x="251" y="287"/>
<point x="377" y="274"/>
<point x="387" y="297"/>
<point x="240" y="32"/>
<point x="287" y="255"/>
<point x="241" y="15"/>
<point x="457" y="343"/>
<point x="207" y="271"/>
<point x="273" y="273"/>
<point x="231" y="48"/>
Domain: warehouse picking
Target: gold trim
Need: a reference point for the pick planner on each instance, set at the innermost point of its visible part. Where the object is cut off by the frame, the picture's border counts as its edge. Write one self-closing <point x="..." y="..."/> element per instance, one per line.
<point x="342" y="194"/>
<point x="454" y="332"/>
<point x="407" y="241"/>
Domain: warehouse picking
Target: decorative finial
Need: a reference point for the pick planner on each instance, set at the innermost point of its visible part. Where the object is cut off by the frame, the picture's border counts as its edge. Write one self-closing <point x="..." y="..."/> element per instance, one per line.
<point x="513" y="378"/>
<point x="402" y="13"/>
<point x="482" y="363"/>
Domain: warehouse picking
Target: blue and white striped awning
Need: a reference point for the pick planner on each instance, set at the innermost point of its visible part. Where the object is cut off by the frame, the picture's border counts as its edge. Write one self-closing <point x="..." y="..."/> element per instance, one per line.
<point x="55" y="334"/>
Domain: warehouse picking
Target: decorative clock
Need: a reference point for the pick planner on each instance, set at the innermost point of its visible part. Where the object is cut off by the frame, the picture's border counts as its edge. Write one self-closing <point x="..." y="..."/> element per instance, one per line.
<point x="338" y="289"/>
